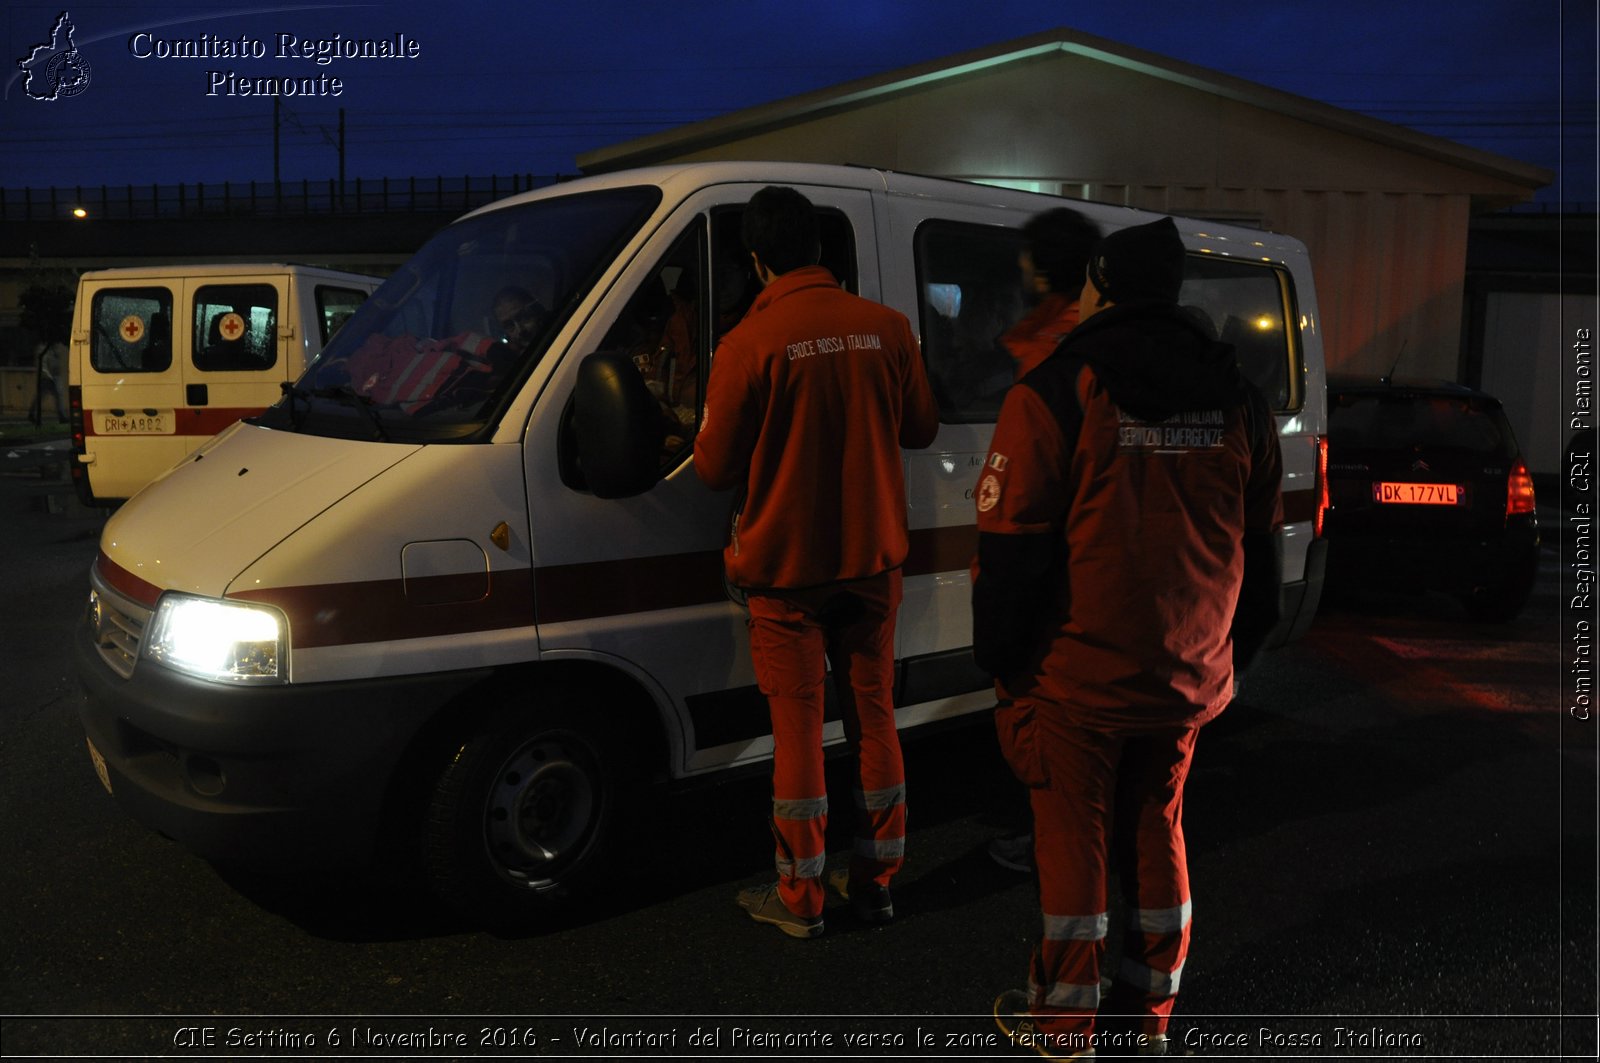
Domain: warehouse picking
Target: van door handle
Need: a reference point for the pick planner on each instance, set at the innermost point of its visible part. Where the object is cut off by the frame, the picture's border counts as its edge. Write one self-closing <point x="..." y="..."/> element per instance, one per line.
<point x="196" y="395"/>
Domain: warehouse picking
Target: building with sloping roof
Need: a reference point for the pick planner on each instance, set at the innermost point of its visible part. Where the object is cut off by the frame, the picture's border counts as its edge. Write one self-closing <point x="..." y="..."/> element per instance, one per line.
<point x="1383" y="209"/>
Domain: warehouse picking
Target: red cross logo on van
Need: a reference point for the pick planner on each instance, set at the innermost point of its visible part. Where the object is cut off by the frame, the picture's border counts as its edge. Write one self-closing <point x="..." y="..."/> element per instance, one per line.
<point x="132" y="328"/>
<point x="231" y="326"/>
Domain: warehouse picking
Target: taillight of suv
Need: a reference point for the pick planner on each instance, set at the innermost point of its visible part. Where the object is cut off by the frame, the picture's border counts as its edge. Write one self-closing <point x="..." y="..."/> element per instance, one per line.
<point x="1519" y="490"/>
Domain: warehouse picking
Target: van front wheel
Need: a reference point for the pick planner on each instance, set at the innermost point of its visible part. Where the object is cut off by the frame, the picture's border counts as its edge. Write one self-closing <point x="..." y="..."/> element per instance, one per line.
<point x="521" y="816"/>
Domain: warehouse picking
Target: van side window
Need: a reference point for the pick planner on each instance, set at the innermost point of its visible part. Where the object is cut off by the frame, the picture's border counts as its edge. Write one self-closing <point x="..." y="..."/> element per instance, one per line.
<point x="335" y="306"/>
<point x="969" y="292"/>
<point x="132" y="330"/>
<point x="838" y="249"/>
<point x="1250" y="305"/>
<point x="665" y="329"/>
<point x="235" y="327"/>
<point x="734" y="282"/>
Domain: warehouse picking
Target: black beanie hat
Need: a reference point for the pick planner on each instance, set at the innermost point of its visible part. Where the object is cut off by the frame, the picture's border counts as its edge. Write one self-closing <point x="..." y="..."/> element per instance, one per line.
<point x="1139" y="262"/>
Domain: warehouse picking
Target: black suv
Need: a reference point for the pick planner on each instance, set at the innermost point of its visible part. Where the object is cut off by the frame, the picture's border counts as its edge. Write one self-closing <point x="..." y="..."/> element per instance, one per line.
<point x="1428" y="491"/>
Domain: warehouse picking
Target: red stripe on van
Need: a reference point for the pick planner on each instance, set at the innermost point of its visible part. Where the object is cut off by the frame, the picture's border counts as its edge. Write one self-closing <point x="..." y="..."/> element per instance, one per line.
<point x="671" y="581"/>
<point x="343" y="614"/>
<point x="209" y="420"/>
<point x="627" y="585"/>
<point x="941" y="550"/>
<point x="120" y="579"/>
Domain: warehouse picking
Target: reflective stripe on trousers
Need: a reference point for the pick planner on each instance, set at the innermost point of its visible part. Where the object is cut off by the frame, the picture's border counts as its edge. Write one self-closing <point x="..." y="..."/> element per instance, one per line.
<point x="792" y="818"/>
<point x="1104" y="786"/>
<point x="793" y="636"/>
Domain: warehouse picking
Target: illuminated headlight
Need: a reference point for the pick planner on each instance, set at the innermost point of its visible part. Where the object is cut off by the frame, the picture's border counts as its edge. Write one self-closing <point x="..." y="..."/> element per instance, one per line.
<point x="217" y="640"/>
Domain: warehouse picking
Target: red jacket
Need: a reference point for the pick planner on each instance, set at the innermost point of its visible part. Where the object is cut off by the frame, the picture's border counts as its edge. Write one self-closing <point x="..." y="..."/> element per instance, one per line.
<point x="810" y="399"/>
<point x="1036" y="337"/>
<point x="1121" y="534"/>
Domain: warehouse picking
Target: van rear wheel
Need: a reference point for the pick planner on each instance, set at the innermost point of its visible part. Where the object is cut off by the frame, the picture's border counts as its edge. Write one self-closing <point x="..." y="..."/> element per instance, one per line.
<point x="522" y="815"/>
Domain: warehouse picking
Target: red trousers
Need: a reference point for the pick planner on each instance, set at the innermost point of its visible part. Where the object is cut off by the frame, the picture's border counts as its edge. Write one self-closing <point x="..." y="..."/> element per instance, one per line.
<point x="1097" y="797"/>
<point x="793" y="636"/>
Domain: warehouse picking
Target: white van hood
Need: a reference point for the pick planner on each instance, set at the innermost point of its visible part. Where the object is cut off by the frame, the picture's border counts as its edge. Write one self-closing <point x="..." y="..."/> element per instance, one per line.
<point x="219" y="510"/>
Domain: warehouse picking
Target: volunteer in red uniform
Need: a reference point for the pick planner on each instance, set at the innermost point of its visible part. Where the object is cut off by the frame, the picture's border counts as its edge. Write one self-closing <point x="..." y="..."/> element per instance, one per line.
<point x="1052" y="267"/>
<point x="810" y="398"/>
<point x="1128" y="563"/>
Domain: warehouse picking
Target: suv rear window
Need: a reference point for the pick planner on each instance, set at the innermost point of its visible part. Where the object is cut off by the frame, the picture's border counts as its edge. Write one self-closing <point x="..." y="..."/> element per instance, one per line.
<point x="1403" y="421"/>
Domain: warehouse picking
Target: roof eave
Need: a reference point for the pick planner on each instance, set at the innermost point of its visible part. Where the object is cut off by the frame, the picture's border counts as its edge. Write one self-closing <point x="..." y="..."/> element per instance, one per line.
<point x="752" y="120"/>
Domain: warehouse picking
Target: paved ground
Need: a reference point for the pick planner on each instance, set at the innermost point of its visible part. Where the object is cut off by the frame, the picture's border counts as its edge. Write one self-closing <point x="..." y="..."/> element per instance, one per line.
<point x="1392" y="845"/>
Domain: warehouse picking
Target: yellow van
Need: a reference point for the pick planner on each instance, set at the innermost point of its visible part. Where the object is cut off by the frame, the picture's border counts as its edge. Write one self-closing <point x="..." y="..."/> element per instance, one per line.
<point x="164" y="357"/>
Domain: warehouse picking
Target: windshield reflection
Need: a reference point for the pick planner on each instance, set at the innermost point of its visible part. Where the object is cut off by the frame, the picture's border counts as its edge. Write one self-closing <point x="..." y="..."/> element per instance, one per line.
<point x="441" y="348"/>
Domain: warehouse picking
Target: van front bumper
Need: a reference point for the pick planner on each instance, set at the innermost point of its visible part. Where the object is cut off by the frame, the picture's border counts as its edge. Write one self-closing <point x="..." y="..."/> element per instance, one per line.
<point x="258" y="775"/>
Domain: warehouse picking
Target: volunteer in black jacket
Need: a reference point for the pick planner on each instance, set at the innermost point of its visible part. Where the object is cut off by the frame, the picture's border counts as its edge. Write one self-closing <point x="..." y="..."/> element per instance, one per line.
<point x="1128" y="563"/>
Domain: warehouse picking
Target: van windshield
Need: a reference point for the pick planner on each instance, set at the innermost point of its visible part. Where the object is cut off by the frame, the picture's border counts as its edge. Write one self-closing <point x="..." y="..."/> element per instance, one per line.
<point x="440" y="349"/>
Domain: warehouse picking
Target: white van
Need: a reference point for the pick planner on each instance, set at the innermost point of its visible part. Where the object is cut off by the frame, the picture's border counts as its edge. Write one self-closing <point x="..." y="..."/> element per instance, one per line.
<point x="473" y="594"/>
<point x="164" y="357"/>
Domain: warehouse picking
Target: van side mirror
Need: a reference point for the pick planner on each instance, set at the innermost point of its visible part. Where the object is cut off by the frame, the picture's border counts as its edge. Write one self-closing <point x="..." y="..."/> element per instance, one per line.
<point x="612" y="432"/>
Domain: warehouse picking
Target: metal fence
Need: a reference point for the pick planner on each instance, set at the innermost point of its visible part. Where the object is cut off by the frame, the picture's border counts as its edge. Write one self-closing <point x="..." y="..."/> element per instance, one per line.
<point x="449" y="195"/>
<point x="266" y="198"/>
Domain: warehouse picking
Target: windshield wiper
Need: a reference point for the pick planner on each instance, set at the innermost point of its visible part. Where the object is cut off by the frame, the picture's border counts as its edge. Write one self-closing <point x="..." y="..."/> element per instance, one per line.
<point x="291" y="392"/>
<point x="346" y="395"/>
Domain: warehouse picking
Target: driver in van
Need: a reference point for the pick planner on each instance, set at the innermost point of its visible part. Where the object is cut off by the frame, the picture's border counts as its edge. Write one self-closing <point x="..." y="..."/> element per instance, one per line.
<point x="516" y="316"/>
<point x="671" y="367"/>
<point x="405" y="372"/>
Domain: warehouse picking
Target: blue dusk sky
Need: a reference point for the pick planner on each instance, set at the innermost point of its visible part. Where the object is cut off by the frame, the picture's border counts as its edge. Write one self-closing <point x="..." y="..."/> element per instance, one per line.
<point x="503" y="89"/>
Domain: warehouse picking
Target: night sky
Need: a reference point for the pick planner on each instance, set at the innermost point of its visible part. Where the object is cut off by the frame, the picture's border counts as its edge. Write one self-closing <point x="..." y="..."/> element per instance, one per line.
<point x="503" y="89"/>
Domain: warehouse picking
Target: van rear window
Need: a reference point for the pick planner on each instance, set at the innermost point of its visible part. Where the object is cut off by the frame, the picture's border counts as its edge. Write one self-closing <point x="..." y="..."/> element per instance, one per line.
<point x="132" y="330"/>
<point x="1250" y="305"/>
<point x="235" y="328"/>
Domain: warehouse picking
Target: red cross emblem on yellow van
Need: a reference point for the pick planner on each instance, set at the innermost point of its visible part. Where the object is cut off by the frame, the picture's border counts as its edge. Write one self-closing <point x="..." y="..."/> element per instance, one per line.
<point x="132" y="328"/>
<point x="231" y="326"/>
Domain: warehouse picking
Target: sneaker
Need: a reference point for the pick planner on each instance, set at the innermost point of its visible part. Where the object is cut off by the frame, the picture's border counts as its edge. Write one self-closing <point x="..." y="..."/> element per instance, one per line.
<point x="1013" y="851"/>
<point x="872" y="902"/>
<point x="766" y="906"/>
<point x="1022" y="1030"/>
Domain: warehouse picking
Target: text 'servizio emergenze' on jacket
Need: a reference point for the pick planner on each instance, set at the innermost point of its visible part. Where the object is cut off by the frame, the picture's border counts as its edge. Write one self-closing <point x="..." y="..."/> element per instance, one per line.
<point x="1130" y="500"/>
